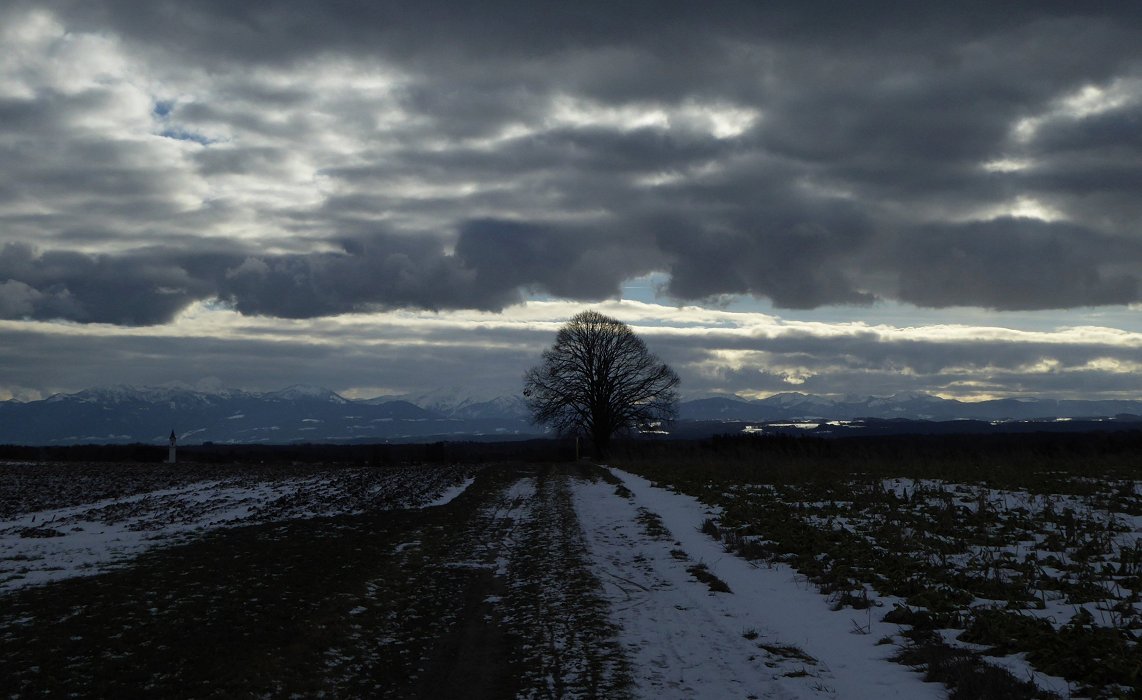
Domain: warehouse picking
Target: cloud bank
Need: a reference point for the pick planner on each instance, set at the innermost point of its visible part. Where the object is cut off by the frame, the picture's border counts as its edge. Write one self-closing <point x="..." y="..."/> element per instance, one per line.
<point x="380" y="197"/>
<point x="714" y="351"/>
<point x="302" y="160"/>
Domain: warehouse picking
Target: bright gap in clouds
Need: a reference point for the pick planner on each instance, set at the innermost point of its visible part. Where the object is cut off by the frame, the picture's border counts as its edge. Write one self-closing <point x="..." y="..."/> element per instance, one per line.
<point x="650" y="289"/>
<point x="741" y="316"/>
<point x="756" y="352"/>
<point x="1085" y="102"/>
<point x="720" y="120"/>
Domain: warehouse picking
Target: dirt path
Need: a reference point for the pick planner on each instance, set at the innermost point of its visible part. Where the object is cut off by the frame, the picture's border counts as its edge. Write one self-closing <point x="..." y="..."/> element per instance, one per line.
<point x="488" y="596"/>
<point x="698" y="622"/>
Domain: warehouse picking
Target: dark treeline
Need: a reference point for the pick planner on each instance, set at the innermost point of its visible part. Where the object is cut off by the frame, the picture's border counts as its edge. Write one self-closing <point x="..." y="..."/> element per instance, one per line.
<point x="377" y="454"/>
<point x="997" y="458"/>
<point x="767" y="457"/>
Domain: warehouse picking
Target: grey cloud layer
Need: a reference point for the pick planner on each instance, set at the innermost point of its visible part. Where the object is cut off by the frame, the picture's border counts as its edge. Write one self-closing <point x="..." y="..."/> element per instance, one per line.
<point x="306" y="159"/>
<point x="374" y="357"/>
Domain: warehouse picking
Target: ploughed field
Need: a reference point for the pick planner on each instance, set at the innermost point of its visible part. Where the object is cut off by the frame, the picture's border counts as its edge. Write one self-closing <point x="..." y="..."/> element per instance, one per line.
<point x="736" y="577"/>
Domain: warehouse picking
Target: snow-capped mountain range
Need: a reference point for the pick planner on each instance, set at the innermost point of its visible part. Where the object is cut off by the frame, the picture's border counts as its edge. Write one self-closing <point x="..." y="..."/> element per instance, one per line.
<point x="295" y="414"/>
<point x="911" y="406"/>
<point x="314" y="414"/>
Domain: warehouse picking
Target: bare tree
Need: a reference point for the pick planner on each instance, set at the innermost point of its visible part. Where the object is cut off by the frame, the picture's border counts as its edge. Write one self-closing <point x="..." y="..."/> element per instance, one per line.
<point x="599" y="379"/>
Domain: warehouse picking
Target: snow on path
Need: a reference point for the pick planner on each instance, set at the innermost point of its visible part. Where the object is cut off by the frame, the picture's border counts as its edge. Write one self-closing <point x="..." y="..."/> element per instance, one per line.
<point x="685" y="641"/>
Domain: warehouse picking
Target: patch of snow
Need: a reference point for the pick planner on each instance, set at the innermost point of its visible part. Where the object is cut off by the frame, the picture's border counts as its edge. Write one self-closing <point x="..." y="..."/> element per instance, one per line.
<point x="451" y="493"/>
<point x="59" y="543"/>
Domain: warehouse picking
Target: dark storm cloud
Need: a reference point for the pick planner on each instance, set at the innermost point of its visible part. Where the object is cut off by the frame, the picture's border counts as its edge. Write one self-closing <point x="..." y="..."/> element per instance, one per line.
<point x="128" y="290"/>
<point x="1014" y="263"/>
<point x="797" y="267"/>
<point x="569" y="263"/>
<point x="1090" y="167"/>
<point x="379" y="272"/>
<point x="555" y="151"/>
<point x="773" y="242"/>
<point x="808" y="153"/>
<point x="514" y="28"/>
<point x="492" y="262"/>
<point x="152" y="286"/>
<point x="1112" y="136"/>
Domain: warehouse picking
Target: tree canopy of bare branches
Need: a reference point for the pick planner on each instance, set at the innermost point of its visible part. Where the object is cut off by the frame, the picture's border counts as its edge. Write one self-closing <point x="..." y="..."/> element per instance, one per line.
<point x="599" y="379"/>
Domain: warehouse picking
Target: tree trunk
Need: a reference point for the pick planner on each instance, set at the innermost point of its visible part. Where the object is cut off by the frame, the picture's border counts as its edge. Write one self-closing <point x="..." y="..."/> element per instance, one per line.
<point x="601" y="441"/>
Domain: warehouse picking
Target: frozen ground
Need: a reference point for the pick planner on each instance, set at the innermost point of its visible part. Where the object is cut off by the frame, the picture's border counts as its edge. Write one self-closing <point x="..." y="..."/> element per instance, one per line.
<point x="528" y="581"/>
<point x="51" y="544"/>
<point x="773" y="636"/>
<point x="1016" y="579"/>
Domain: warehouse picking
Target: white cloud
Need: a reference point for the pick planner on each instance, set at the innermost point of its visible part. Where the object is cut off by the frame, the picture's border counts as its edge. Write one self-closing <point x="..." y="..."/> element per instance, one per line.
<point x="1008" y="165"/>
<point x="1087" y="101"/>
<point x="720" y="120"/>
<point x="715" y="350"/>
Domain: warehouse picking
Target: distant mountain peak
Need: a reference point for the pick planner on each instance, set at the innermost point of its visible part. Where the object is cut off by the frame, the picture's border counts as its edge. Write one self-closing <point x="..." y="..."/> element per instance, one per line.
<point x="796" y="398"/>
<point x="122" y="392"/>
<point x="307" y="392"/>
<point x="915" y="396"/>
<point x="462" y="402"/>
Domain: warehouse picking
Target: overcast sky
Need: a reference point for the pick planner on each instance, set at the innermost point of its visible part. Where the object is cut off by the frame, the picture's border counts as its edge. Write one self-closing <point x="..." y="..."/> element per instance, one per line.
<point x="390" y="197"/>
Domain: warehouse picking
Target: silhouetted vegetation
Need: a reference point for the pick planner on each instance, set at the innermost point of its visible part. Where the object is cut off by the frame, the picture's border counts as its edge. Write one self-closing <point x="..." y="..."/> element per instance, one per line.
<point x="377" y="454"/>
<point x="766" y="459"/>
<point x="598" y="380"/>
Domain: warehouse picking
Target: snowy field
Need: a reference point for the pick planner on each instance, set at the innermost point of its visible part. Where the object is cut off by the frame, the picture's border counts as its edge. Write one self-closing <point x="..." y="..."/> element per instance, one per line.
<point x="133" y="509"/>
<point x="559" y="581"/>
<point x="959" y="579"/>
